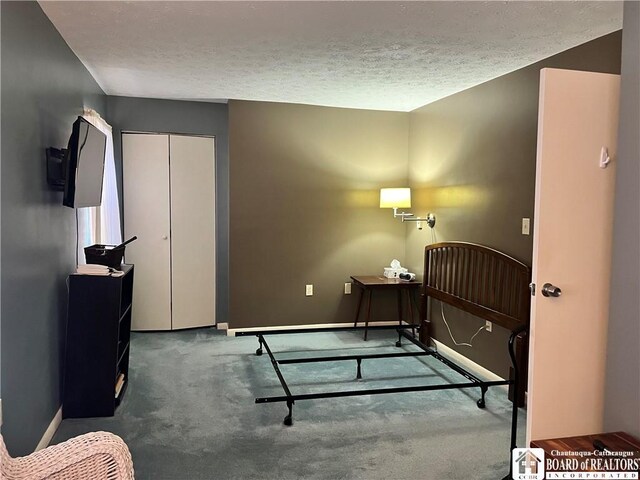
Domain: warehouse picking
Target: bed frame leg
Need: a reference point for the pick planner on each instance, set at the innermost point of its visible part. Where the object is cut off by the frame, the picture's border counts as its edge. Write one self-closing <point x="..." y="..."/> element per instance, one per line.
<point x="481" y="403"/>
<point x="288" y="420"/>
<point x="399" y="342"/>
<point x="359" y="371"/>
<point x="259" y="350"/>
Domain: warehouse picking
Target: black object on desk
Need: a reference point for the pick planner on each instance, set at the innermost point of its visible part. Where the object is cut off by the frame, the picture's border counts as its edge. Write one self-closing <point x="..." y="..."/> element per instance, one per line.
<point x="108" y="255"/>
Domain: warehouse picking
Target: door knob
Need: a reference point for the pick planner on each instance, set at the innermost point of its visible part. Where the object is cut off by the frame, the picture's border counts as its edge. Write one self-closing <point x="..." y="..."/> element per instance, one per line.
<point x="164" y="237"/>
<point x="549" y="290"/>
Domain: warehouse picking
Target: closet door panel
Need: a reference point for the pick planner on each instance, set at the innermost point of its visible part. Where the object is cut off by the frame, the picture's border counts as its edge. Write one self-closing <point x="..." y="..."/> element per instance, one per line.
<point x="147" y="214"/>
<point x="192" y="167"/>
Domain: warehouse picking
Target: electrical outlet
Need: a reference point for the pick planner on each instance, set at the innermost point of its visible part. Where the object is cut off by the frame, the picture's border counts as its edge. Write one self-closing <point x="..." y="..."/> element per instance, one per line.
<point x="488" y="326"/>
<point x="526" y="223"/>
<point x="347" y="288"/>
<point x="309" y="290"/>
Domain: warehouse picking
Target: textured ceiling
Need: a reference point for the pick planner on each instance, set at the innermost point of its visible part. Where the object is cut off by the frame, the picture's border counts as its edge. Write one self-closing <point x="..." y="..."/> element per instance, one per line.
<point x="373" y="55"/>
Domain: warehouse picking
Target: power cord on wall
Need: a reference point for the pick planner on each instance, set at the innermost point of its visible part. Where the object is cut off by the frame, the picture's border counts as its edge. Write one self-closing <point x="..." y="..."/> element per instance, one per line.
<point x="77" y="236"/>
<point x="459" y="344"/>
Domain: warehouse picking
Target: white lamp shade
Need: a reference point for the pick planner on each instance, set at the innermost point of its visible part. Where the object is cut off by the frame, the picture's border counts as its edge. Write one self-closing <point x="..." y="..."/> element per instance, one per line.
<point x="395" y="198"/>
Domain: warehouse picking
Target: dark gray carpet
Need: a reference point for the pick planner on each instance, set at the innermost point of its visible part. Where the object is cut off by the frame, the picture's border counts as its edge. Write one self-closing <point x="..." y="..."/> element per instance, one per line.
<point x="189" y="413"/>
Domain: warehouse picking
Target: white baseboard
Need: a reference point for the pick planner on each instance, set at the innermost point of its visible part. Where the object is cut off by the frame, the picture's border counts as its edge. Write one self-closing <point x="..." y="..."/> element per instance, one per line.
<point x="231" y="332"/>
<point x="222" y="326"/>
<point x="51" y="430"/>
<point x="468" y="364"/>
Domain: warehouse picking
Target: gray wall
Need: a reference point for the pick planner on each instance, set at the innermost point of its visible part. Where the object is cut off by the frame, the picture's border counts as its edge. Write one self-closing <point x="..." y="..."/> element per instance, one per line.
<point x="44" y="87"/>
<point x="622" y="399"/>
<point x="472" y="161"/>
<point x="197" y="118"/>
<point x="305" y="209"/>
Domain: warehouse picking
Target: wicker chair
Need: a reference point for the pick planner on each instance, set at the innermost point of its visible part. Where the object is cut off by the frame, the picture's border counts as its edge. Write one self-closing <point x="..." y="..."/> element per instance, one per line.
<point x="93" y="456"/>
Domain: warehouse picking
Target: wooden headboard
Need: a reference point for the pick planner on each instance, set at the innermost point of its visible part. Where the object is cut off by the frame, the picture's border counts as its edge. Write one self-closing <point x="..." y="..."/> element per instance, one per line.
<point x="478" y="280"/>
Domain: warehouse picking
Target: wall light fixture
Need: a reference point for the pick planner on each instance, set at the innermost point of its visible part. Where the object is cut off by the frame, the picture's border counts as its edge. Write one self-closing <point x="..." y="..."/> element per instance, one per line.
<point x="401" y="198"/>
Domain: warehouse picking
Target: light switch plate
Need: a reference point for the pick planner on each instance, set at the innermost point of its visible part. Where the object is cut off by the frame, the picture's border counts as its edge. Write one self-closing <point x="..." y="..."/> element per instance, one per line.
<point x="526" y="224"/>
<point x="309" y="290"/>
<point x="347" y="288"/>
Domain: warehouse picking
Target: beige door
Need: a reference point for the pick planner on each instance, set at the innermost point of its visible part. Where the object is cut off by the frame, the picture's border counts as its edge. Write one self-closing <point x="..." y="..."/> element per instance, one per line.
<point x="578" y="115"/>
<point x="192" y="231"/>
<point x="146" y="203"/>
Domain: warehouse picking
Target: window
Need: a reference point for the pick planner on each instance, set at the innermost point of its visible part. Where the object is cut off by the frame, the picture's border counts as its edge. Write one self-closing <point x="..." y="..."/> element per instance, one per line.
<point x="101" y="224"/>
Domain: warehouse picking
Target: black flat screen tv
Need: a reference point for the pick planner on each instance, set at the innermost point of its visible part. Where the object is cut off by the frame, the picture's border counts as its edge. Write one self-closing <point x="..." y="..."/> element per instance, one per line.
<point x="84" y="166"/>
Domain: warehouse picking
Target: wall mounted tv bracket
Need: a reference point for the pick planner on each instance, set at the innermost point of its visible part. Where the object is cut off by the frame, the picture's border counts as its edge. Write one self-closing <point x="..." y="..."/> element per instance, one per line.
<point x="56" y="166"/>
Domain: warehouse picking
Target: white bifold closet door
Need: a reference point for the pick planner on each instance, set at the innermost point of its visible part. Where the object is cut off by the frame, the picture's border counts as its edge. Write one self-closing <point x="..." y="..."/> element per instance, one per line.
<point x="192" y="231"/>
<point x="169" y="203"/>
<point x="146" y="203"/>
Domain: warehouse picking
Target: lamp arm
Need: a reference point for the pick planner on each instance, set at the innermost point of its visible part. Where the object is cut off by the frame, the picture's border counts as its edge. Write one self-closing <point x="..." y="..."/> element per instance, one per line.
<point x="402" y="215"/>
<point x="430" y="219"/>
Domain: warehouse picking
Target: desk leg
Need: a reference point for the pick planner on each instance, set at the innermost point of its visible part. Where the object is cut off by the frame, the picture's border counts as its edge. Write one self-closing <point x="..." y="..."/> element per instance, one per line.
<point x="409" y="306"/>
<point x="399" y="342"/>
<point x="366" y="322"/>
<point x="355" y="322"/>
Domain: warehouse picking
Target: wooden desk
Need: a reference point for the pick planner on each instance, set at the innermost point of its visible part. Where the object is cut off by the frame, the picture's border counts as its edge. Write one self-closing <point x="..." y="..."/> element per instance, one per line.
<point x="614" y="442"/>
<point x="369" y="283"/>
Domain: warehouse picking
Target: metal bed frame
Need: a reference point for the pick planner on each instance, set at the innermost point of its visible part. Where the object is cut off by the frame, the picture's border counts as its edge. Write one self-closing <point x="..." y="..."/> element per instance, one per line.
<point x="473" y="278"/>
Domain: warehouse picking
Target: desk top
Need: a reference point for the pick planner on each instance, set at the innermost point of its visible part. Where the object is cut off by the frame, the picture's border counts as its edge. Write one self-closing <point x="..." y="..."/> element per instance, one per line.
<point x="615" y="441"/>
<point x="581" y="451"/>
<point x="369" y="281"/>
